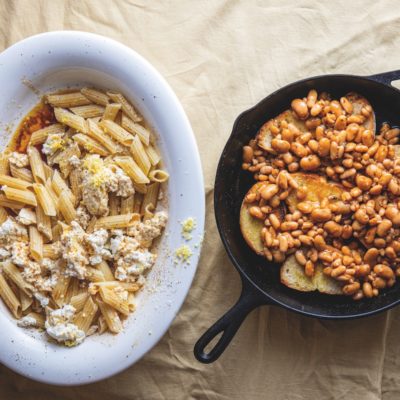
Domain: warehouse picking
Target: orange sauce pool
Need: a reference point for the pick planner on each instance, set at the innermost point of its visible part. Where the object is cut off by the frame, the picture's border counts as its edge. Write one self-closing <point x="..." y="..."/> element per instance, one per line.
<point x="39" y="117"/>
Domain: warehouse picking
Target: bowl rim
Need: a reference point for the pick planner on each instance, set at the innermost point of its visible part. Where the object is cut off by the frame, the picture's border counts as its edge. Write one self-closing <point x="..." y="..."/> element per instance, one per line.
<point x="196" y="175"/>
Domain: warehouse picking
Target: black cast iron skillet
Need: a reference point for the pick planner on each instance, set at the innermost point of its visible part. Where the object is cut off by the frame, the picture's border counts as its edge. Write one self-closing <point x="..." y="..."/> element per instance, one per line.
<point x="260" y="279"/>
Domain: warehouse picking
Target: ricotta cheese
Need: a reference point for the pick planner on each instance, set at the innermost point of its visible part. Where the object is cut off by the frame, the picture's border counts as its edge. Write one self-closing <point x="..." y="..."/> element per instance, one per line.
<point x="82" y="216"/>
<point x="26" y="216"/>
<point x="53" y="143"/>
<point x="20" y="254"/>
<point x="42" y="299"/>
<point x="124" y="184"/>
<point x="11" y="231"/>
<point x="60" y="327"/>
<point x="73" y="251"/>
<point x="18" y="159"/>
<point x="27" y="322"/>
<point x="96" y="242"/>
<point x="133" y="263"/>
<point x="146" y="232"/>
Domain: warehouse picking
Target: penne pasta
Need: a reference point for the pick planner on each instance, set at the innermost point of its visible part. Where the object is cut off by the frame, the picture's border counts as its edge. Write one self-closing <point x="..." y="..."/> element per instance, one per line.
<point x="106" y="271"/>
<point x="131" y="169"/>
<point x="50" y="191"/>
<point x="66" y="207"/>
<point x="139" y="155"/>
<point x="43" y="223"/>
<point x="36" y="164"/>
<point x="90" y="145"/>
<point x="9" y="298"/>
<point x="96" y="133"/>
<point x="154" y="157"/>
<point x="25" y="300"/>
<point x="131" y="302"/>
<point x="35" y="243"/>
<point x="79" y="300"/>
<point x="15" y="205"/>
<point x="3" y="215"/>
<point x="60" y="186"/>
<point x="94" y="275"/>
<point x="51" y="251"/>
<point x="111" y="317"/>
<point x="136" y="129"/>
<point x="60" y="290"/>
<point x="20" y="196"/>
<point x="60" y="235"/>
<point x="138" y="203"/>
<point x="48" y="171"/>
<point x="73" y="289"/>
<point x="56" y="231"/>
<point x="128" y="286"/>
<point x="40" y="136"/>
<point x="13" y="182"/>
<point x="4" y="164"/>
<point x="45" y="200"/>
<point x="158" y="175"/>
<point x="116" y="132"/>
<point x="127" y="108"/>
<point x="89" y="111"/>
<point x="21" y="173"/>
<point x="14" y="275"/>
<point x="102" y="325"/>
<point x="85" y="318"/>
<point x="110" y="297"/>
<point x="111" y="111"/>
<point x="114" y="203"/>
<point x="140" y="188"/>
<point x="127" y="204"/>
<point x="148" y="212"/>
<point x="117" y="221"/>
<point x="73" y="121"/>
<point x="67" y="100"/>
<point x="75" y="183"/>
<point x="91" y="225"/>
<point x="151" y="197"/>
<point x="95" y="96"/>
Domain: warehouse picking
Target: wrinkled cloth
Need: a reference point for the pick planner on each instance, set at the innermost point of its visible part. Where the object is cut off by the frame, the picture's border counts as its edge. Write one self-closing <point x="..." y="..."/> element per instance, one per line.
<point x="222" y="57"/>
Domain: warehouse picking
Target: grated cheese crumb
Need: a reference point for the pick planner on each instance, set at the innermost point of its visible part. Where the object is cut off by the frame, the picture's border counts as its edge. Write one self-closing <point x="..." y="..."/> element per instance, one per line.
<point x="183" y="254"/>
<point x="187" y="227"/>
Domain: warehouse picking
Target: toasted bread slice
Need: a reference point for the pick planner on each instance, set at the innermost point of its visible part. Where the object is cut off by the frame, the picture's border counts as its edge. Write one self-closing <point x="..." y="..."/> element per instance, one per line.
<point x="251" y="227"/>
<point x="316" y="187"/>
<point x="358" y="103"/>
<point x="293" y="276"/>
<point x="326" y="284"/>
<point x="265" y="135"/>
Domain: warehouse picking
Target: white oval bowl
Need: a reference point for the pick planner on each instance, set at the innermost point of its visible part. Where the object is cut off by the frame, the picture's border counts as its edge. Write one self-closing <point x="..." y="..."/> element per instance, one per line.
<point x="60" y="59"/>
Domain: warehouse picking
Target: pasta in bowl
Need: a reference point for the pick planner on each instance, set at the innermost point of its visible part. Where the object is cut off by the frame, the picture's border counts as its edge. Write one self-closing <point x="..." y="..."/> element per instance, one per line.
<point x="66" y="64"/>
<point x="80" y="182"/>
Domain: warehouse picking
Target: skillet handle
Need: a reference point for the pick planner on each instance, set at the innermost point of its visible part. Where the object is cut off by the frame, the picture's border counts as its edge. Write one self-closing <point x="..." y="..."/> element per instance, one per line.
<point x="228" y="324"/>
<point x="386" y="77"/>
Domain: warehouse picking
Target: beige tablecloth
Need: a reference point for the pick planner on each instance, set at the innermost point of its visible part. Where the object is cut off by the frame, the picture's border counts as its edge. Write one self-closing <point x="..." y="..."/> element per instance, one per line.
<point x="222" y="57"/>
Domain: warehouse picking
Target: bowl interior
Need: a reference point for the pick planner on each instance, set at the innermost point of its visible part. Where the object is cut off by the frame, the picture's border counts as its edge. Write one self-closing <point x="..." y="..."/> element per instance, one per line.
<point x="61" y="60"/>
<point x="232" y="183"/>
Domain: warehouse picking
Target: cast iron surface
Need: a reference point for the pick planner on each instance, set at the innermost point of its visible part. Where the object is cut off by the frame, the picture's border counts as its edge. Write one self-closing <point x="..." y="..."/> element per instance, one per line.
<point x="261" y="282"/>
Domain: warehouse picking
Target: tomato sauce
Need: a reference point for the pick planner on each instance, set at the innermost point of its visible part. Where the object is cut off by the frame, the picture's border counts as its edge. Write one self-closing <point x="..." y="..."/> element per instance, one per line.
<point x="39" y="117"/>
